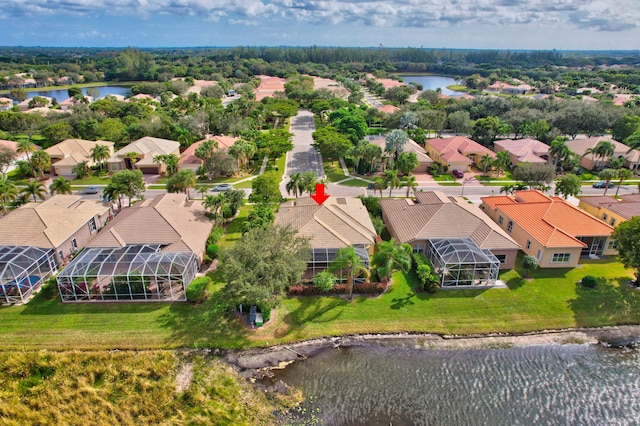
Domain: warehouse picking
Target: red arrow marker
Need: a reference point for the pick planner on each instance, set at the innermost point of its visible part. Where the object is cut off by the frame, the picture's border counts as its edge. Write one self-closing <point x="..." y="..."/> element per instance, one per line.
<point x="319" y="197"/>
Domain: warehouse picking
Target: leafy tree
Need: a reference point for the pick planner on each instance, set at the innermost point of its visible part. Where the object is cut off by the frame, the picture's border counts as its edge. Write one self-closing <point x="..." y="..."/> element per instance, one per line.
<point x="128" y="183"/>
<point x="34" y="189"/>
<point x="627" y="237"/>
<point x="260" y="266"/>
<point x="529" y="263"/>
<point x="8" y="192"/>
<point x="40" y="161"/>
<point x="534" y="175"/>
<point x="60" y="186"/>
<point x="325" y="280"/>
<point x="274" y="143"/>
<point x="607" y="175"/>
<point x="347" y="260"/>
<point x="266" y="189"/>
<point x="622" y="175"/>
<point x="261" y="216"/>
<point x="460" y="122"/>
<point x="486" y="130"/>
<point x="406" y="162"/>
<point x="7" y="157"/>
<point x="331" y="143"/>
<point x="390" y="256"/>
<point x="100" y="154"/>
<point x="625" y="126"/>
<point x="57" y="132"/>
<point x="568" y="185"/>
<point x="242" y="151"/>
<point x="182" y="181"/>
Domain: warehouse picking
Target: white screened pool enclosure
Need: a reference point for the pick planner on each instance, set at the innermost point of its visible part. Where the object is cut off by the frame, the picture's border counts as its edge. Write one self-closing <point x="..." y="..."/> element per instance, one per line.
<point x="322" y="257"/>
<point x="459" y="262"/>
<point x="23" y="269"/>
<point x="131" y="273"/>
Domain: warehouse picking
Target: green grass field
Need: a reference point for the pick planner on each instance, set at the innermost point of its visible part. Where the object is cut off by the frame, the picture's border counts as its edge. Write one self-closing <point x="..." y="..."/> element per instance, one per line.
<point x="552" y="300"/>
<point x="355" y="182"/>
<point x="333" y="170"/>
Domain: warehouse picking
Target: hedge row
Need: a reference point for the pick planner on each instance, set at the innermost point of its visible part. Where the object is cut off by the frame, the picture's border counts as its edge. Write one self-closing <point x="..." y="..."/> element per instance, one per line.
<point x="312" y="290"/>
<point x="195" y="289"/>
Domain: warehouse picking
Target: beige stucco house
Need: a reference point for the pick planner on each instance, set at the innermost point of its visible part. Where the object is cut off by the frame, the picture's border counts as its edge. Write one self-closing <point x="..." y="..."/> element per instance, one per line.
<point x="140" y="154"/>
<point x="549" y="228"/>
<point x="68" y="153"/>
<point x="590" y="162"/>
<point x="524" y="150"/>
<point x="457" y="153"/>
<point x="424" y="161"/>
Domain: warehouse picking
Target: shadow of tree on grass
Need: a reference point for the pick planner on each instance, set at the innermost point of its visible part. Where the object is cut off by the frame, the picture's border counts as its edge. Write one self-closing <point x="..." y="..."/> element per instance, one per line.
<point x="606" y="304"/>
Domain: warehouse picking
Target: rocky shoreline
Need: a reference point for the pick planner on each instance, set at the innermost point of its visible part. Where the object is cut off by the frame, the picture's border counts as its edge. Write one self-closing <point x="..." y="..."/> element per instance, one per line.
<point x="256" y="363"/>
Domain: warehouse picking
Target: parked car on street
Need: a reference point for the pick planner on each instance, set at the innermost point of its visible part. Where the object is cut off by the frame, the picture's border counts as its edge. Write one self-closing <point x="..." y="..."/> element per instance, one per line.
<point x="603" y="184"/>
<point x="90" y="190"/>
<point x="222" y="187"/>
<point x="457" y="173"/>
<point x="371" y="186"/>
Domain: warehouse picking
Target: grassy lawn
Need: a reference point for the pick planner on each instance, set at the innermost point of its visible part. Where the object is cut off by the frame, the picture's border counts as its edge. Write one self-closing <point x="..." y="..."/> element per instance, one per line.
<point x="333" y="170"/>
<point x="355" y="182"/>
<point x="92" y="180"/>
<point x="552" y="300"/>
<point x="233" y="230"/>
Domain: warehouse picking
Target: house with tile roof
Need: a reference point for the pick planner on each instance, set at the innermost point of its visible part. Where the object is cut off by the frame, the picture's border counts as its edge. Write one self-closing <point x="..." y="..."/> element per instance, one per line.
<point x="339" y="222"/>
<point x="435" y="216"/>
<point x="456" y="153"/>
<point x="611" y="210"/>
<point x="554" y="231"/>
<point x="6" y="104"/>
<point x="524" y="150"/>
<point x="424" y="161"/>
<point x="150" y="251"/>
<point x="590" y="162"/>
<point x="12" y="145"/>
<point x="146" y="148"/>
<point x="68" y="153"/>
<point x="188" y="160"/>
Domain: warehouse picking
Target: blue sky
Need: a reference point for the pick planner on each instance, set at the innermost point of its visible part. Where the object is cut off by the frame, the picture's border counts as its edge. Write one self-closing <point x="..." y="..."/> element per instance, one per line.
<point x="498" y="24"/>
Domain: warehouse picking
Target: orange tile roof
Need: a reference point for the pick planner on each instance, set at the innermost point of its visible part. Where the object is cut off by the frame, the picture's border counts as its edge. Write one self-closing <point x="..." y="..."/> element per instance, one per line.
<point x="530" y="196"/>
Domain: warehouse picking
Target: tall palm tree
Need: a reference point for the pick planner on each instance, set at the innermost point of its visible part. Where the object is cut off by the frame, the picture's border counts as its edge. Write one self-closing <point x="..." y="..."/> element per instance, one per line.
<point x="391" y="180"/>
<point x="347" y="259"/>
<point x="295" y="184"/>
<point x="8" y="192"/>
<point x="60" y="186"/>
<point x="182" y="181"/>
<point x="622" y="175"/>
<point x="99" y="154"/>
<point x="391" y="256"/>
<point x="607" y="175"/>
<point x="25" y="146"/>
<point x="410" y="182"/>
<point x="114" y="192"/>
<point x="485" y="163"/>
<point x="559" y="151"/>
<point x="308" y="181"/>
<point x="214" y="203"/>
<point x="502" y="162"/>
<point x="602" y="150"/>
<point x="34" y="189"/>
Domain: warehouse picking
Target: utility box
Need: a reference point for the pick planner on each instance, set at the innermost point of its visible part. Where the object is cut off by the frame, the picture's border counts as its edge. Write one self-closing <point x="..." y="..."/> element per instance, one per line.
<point x="258" y="319"/>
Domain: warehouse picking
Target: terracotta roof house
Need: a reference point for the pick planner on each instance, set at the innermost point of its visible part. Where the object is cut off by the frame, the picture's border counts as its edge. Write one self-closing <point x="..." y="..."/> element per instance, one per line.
<point x="524" y="150"/>
<point x="6" y="104"/>
<point x="457" y="153"/>
<point x="70" y="102"/>
<point x="611" y="210"/>
<point x="269" y="85"/>
<point x="433" y="219"/>
<point x="147" y="149"/>
<point x="12" y="145"/>
<point x="38" y="237"/>
<point x="424" y="161"/>
<point x="337" y="223"/>
<point x="24" y="105"/>
<point x="590" y="162"/>
<point x="127" y="261"/>
<point x="549" y="228"/>
<point x="66" y="154"/>
<point x="388" y="109"/>
<point x="508" y="89"/>
<point x="188" y="160"/>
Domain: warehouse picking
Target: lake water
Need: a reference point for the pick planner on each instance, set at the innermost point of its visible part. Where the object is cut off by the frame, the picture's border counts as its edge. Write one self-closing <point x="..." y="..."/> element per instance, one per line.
<point x="543" y="385"/>
<point x="62" y="94"/>
<point x="433" y="82"/>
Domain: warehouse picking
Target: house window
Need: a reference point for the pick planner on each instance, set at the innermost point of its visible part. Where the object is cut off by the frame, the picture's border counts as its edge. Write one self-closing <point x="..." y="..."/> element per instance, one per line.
<point x="74" y="245"/>
<point x="561" y="258"/>
<point x="613" y="221"/>
<point x="418" y="248"/>
<point x="92" y="225"/>
<point x="528" y="244"/>
<point x="612" y="245"/>
<point x="510" y="226"/>
<point x="605" y="217"/>
<point x="61" y="255"/>
<point x="502" y="258"/>
<point x="539" y="255"/>
<point x="500" y="220"/>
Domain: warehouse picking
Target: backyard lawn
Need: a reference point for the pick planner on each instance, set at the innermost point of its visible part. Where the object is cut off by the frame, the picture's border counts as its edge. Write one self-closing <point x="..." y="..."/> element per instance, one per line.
<point x="553" y="300"/>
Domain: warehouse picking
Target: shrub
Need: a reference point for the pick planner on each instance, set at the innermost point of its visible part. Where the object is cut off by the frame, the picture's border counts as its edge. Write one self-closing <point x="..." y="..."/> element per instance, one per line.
<point x="216" y="233"/>
<point x="312" y="290"/>
<point x="206" y="259"/>
<point x="589" y="281"/>
<point x="424" y="269"/>
<point x="212" y="251"/>
<point x="49" y="289"/>
<point x="324" y="280"/>
<point x="195" y="289"/>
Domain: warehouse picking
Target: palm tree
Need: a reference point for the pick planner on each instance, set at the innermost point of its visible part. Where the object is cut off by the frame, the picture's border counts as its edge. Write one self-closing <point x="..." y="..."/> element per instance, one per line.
<point x="34" y="189"/>
<point x="347" y="259"/>
<point x="378" y="185"/>
<point x="391" y="180"/>
<point x="114" y="192"/>
<point x="25" y="146"/>
<point x="607" y="175"/>
<point x="81" y="170"/>
<point x="410" y="182"/>
<point x="295" y="184"/>
<point x="8" y="192"/>
<point x="622" y="175"/>
<point x="60" y="186"/>
<point x="214" y="203"/>
<point x="203" y="189"/>
<point x="486" y="162"/>
<point x="307" y="181"/>
<point x="559" y="151"/>
<point x="182" y="181"/>
<point x="603" y="149"/>
<point x="502" y="162"/>
<point x="99" y="154"/>
<point x="391" y="256"/>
